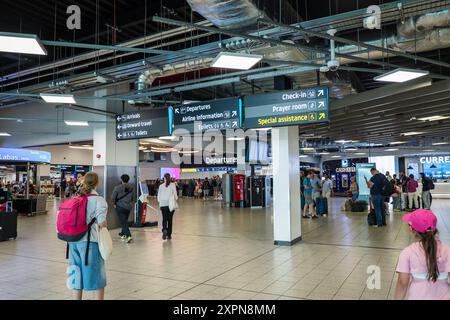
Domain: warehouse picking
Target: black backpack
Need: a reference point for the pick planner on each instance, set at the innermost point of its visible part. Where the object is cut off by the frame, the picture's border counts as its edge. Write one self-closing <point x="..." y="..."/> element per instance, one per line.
<point x="387" y="189"/>
<point x="431" y="184"/>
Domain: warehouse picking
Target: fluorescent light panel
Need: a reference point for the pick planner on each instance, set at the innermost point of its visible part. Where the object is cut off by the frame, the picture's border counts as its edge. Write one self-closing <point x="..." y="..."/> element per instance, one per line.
<point x="167" y="138"/>
<point x="401" y="75"/>
<point x="412" y="133"/>
<point x="232" y="60"/>
<point x="58" y="98"/>
<point x="77" y="123"/>
<point x="398" y="142"/>
<point x="390" y="150"/>
<point x="4" y="134"/>
<point x="440" y="143"/>
<point x="21" y="43"/>
<point x="235" y="139"/>
<point x="82" y="147"/>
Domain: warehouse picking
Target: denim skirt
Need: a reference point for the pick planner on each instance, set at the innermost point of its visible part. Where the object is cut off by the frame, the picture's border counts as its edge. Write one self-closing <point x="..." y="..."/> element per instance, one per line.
<point x="80" y="276"/>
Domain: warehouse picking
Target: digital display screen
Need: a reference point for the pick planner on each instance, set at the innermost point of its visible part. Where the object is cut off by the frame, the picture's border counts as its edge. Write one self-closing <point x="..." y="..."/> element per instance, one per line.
<point x="439" y="170"/>
<point x="25" y="155"/>
<point x="174" y="172"/>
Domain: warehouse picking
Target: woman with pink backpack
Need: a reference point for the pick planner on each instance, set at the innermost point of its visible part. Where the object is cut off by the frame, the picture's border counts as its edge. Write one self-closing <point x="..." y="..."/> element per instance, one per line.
<point x="78" y="223"/>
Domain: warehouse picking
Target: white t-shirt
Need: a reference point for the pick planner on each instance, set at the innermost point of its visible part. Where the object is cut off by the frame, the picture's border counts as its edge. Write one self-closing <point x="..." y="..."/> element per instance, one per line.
<point x="164" y="194"/>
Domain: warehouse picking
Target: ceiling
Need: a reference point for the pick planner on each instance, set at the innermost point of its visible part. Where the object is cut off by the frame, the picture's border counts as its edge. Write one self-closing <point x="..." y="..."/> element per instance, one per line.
<point x="363" y="109"/>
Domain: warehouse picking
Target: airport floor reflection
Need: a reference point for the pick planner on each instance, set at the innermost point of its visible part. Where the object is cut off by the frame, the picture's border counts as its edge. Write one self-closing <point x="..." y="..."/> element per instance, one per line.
<point x="220" y="253"/>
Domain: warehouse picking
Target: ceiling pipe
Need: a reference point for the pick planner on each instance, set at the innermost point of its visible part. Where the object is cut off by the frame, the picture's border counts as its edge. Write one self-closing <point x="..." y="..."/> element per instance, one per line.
<point x="413" y="26"/>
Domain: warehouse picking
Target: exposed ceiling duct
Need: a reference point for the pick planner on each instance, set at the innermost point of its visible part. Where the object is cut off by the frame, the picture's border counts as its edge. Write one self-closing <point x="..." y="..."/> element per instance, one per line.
<point x="423" y="33"/>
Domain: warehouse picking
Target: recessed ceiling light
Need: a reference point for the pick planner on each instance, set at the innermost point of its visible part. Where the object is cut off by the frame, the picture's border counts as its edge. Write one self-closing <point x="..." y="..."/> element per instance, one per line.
<point x="307" y="149"/>
<point x="233" y="60"/>
<point x="58" y="98"/>
<point x="398" y="142"/>
<point x="439" y="143"/>
<point x="351" y="149"/>
<point x="401" y="75"/>
<point x="21" y="43"/>
<point x="76" y="123"/>
<point x="412" y="133"/>
<point x="429" y="150"/>
<point x="335" y="156"/>
<point x="303" y="156"/>
<point x="433" y="118"/>
<point x="360" y="153"/>
<point x="324" y="153"/>
<point x="4" y="134"/>
<point x="167" y="138"/>
<point x="346" y="141"/>
<point x="392" y="149"/>
<point x="235" y="139"/>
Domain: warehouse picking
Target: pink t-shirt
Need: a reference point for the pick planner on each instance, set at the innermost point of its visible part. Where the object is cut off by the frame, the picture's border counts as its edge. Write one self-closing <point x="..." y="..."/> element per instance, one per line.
<point x="413" y="260"/>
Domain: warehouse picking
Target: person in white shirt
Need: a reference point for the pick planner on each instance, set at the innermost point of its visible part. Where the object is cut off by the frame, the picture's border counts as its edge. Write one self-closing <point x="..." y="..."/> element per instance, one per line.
<point x="166" y="191"/>
<point x="327" y="190"/>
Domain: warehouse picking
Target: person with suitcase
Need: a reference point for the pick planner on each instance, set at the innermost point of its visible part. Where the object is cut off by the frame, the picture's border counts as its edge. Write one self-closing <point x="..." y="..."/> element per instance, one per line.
<point x="327" y="193"/>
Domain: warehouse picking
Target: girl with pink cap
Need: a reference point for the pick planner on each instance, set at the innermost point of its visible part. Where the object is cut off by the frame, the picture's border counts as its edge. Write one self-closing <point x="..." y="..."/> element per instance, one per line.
<point x="423" y="267"/>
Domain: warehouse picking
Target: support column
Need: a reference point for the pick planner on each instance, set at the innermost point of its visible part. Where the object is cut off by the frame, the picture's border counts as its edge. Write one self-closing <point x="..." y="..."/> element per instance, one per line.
<point x="112" y="158"/>
<point x="286" y="186"/>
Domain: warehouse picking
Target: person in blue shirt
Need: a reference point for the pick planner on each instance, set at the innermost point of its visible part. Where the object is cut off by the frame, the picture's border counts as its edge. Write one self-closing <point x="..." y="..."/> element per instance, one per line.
<point x="308" y="193"/>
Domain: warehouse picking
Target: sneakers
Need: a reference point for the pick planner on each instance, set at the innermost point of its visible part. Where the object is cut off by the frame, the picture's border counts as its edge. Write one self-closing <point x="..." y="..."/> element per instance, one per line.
<point x="122" y="236"/>
<point x="129" y="239"/>
<point x="314" y="217"/>
<point x="164" y="237"/>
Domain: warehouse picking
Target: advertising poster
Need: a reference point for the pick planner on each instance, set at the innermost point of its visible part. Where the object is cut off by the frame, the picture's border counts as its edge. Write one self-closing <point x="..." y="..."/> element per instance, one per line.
<point x="363" y="170"/>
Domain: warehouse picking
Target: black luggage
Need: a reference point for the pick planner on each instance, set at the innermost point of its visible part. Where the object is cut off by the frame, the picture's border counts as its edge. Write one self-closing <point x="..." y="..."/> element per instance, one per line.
<point x="359" y="206"/>
<point x="8" y="225"/>
<point x="321" y="206"/>
<point x="371" y="219"/>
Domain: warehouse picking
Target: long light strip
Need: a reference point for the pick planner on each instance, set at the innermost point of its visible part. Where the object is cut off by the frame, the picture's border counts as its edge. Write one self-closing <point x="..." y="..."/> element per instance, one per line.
<point x="58" y="98"/>
<point x="439" y="143"/>
<point x="412" y="133"/>
<point x="4" y="134"/>
<point x="77" y="123"/>
<point x="81" y="147"/>
<point x="21" y="43"/>
<point x="433" y="118"/>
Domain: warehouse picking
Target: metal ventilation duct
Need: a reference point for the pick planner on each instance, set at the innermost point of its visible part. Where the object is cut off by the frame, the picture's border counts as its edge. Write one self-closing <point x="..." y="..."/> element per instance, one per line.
<point x="413" y="26"/>
<point x="228" y="14"/>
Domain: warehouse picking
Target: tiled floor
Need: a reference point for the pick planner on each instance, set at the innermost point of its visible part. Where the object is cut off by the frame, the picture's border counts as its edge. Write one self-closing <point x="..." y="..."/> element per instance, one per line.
<point x="220" y="253"/>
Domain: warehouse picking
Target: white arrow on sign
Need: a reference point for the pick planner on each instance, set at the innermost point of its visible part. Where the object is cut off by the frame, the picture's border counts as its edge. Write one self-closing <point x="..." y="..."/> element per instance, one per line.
<point x="234" y="114"/>
<point x="118" y="118"/>
<point x="321" y="104"/>
<point x="119" y="135"/>
<point x="235" y="124"/>
<point x="119" y="127"/>
<point x="177" y="110"/>
<point x="321" y="93"/>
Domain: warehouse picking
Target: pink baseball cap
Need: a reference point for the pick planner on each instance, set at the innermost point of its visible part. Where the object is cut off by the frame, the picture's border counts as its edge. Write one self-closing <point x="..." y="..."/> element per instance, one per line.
<point x="421" y="220"/>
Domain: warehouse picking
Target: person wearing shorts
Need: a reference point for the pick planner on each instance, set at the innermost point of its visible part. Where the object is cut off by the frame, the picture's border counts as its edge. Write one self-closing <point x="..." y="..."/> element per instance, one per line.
<point x="308" y="210"/>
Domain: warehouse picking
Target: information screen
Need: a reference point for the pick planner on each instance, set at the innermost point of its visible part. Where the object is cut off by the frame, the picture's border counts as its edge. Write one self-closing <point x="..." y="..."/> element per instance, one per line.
<point x="363" y="170"/>
<point x="201" y="116"/>
<point x="141" y="124"/>
<point x="287" y="108"/>
<point x="24" y="155"/>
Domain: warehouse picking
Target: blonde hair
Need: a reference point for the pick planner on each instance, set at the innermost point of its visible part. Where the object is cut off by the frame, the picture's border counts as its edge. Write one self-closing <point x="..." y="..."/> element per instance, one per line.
<point x="90" y="182"/>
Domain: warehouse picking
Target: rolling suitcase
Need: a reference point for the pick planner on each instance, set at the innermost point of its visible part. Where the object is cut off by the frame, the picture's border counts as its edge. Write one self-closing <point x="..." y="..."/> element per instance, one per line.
<point x="322" y="206"/>
<point x="8" y="225"/>
<point x="359" y="206"/>
<point x="371" y="219"/>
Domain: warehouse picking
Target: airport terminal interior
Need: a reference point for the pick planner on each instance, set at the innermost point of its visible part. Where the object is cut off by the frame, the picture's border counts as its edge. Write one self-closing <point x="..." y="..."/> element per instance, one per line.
<point x="261" y="121"/>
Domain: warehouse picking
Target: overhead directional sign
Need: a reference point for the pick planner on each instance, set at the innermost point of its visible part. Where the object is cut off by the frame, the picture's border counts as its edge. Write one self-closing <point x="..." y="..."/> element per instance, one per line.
<point x="142" y="124"/>
<point x="287" y="108"/>
<point x="201" y="116"/>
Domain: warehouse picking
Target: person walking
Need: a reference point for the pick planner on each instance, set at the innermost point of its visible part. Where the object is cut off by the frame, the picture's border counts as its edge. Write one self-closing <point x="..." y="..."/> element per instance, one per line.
<point x="309" y="202"/>
<point x="375" y="184"/>
<point x="427" y="185"/>
<point x="166" y="193"/>
<point x="423" y="267"/>
<point x="315" y="182"/>
<point x="206" y="186"/>
<point x="413" y="198"/>
<point x="327" y="191"/>
<point x="92" y="274"/>
<point x="396" y="196"/>
<point x="123" y="199"/>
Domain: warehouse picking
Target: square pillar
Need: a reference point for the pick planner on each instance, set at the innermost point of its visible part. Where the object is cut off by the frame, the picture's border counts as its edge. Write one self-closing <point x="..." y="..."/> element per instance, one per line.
<point x="286" y="186"/>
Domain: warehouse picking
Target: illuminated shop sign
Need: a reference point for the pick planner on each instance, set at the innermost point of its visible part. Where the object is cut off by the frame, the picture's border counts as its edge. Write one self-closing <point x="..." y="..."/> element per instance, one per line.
<point x="346" y="170"/>
<point x="435" y="159"/>
<point x="25" y="155"/>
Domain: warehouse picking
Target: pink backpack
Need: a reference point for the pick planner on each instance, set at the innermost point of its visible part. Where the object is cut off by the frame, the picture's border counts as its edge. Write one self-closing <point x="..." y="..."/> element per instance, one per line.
<point x="71" y="222"/>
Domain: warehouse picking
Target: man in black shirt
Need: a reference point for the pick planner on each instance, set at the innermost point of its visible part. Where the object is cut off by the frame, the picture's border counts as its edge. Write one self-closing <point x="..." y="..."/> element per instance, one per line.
<point x="375" y="184"/>
<point x="404" y="194"/>
<point x="427" y="184"/>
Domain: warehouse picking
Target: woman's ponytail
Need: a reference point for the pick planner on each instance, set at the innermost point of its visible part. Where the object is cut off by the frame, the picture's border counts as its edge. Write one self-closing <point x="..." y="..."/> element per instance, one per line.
<point x="428" y="241"/>
<point x="90" y="182"/>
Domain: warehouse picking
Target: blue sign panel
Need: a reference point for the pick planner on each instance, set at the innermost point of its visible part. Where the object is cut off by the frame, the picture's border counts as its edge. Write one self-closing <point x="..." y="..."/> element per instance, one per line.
<point x="24" y="155"/>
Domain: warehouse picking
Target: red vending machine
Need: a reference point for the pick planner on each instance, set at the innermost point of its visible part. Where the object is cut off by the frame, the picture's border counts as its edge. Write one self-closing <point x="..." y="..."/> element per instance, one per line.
<point x="239" y="190"/>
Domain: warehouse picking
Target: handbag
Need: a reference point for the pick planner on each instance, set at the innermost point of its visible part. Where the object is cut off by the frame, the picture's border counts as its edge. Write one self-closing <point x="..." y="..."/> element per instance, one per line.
<point x="172" y="203"/>
<point x="105" y="244"/>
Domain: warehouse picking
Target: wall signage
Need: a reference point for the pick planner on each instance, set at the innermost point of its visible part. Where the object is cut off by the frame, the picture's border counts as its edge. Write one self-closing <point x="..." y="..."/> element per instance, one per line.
<point x="435" y="159"/>
<point x="281" y="109"/>
<point x="25" y="155"/>
<point x="220" y="114"/>
<point x="346" y="170"/>
<point x="141" y="124"/>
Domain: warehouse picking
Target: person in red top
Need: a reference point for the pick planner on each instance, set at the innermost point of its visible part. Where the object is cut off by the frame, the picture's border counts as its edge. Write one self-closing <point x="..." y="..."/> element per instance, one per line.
<point x="412" y="186"/>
